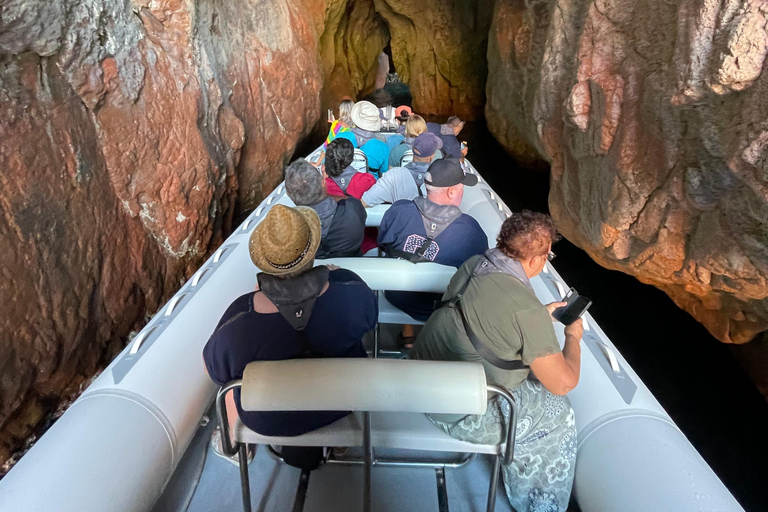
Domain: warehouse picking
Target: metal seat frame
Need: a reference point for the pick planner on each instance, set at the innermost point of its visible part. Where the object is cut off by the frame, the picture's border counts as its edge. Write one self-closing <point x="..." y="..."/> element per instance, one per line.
<point x="230" y="447"/>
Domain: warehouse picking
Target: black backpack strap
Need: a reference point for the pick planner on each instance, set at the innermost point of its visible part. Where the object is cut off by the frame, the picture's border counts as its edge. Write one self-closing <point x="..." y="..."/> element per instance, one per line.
<point x="484" y="351"/>
<point x="481" y="349"/>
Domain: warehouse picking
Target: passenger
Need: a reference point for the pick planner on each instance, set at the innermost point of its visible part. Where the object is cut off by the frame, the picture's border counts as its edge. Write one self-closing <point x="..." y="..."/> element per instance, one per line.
<point x="343" y="179"/>
<point x="402" y="113"/>
<point x="367" y="123"/>
<point x="500" y="308"/>
<point x="414" y="126"/>
<point x="405" y="182"/>
<point x="343" y="123"/>
<point x="268" y="324"/>
<point x="431" y="228"/>
<point x="342" y="219"/>
<point x="449" y="132"/>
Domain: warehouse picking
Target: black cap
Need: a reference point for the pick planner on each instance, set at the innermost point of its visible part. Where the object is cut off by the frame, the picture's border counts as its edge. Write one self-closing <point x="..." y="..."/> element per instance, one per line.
<point x="447" y="172"/>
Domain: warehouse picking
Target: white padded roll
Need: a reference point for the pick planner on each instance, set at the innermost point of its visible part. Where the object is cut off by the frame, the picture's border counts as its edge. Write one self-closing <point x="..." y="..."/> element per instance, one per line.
<point x="394" y="274"/>
<point x="355" y="384"/>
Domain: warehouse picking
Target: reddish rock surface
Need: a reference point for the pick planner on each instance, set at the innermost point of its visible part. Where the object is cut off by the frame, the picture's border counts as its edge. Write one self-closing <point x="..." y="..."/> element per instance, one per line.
<point x="653" y="116"/>
<point x="128" y="131"/>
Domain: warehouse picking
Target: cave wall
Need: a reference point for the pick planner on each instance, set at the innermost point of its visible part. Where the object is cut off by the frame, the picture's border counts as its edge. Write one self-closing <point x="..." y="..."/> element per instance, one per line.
<point x="129" y="131"/>
<point x="653" y="117"/>
<point x="134" y="131"/>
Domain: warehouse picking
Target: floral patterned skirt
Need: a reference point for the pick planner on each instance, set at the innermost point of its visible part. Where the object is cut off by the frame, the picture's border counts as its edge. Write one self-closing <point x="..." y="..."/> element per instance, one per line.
<point x="540" y="477"/>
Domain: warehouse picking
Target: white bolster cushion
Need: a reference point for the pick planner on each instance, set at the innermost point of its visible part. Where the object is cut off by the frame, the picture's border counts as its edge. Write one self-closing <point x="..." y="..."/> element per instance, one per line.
<point x="356" y="384"/>
<point x="395" y="274"/>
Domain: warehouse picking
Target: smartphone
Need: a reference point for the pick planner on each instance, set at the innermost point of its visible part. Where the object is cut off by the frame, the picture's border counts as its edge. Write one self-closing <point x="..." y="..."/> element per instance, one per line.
<point x="463" y="144"/>
<point x="576" y="306"/>
<point x="330" y="115"/>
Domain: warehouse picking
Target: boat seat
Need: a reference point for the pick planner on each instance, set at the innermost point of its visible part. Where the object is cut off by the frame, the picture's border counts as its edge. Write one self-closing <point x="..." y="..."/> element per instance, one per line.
<point x="406" y="158"/>
<point x="400" y="431"/>
<point x="388" y="399"/>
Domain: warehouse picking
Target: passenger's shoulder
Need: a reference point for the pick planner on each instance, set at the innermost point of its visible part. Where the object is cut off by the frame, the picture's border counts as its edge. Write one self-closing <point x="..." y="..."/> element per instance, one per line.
<point x="343" y="275"/>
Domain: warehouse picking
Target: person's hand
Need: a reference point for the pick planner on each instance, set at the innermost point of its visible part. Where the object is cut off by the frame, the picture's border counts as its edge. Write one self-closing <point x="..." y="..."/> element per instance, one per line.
<point x="319" y="161"/>
<point x="575" y="329"/>
<point x="552" y="306"/>
<point x="333" y="267"/>
<point x="464" y="152"/>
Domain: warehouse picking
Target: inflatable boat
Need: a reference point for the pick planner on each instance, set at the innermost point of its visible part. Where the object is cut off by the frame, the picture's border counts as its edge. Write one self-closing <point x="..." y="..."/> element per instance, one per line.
<point x="138" y="439"/>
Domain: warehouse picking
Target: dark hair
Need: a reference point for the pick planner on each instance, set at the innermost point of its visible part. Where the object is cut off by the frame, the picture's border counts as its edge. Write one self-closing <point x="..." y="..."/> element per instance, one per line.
<point x="527" y="234"/>
<point x="338" y="156"/>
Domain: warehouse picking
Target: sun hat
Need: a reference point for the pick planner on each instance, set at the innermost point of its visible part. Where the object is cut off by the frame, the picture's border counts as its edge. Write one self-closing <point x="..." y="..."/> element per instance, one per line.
<point x="365" y="115"/>
<point x="403" y="112"/>
<point x="286" y="240"/>
<point x="447" y="172"/>
<point x="426" y="144"/>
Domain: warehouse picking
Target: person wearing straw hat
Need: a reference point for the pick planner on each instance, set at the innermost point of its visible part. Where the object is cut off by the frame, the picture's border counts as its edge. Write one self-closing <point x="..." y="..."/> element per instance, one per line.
<point x="294" y="313"/>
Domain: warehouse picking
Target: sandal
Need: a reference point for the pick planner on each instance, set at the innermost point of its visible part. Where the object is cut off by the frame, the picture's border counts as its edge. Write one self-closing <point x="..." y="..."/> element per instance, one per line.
<point x="404" y="342"/>
<point x="218" y="449"/>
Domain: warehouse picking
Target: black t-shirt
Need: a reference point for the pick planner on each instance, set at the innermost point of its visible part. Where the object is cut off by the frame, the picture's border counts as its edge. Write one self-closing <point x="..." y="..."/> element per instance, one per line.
<point x="347" y="230"/>
<point x="340" y="318"/>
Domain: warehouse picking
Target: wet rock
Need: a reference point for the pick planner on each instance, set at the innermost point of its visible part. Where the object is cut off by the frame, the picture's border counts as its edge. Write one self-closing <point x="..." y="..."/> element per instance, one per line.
<point x="652" y="117"/>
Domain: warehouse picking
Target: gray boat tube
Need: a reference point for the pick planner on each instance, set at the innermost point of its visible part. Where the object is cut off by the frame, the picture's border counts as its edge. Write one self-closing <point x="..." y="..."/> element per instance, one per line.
<point x="116" y="448"/>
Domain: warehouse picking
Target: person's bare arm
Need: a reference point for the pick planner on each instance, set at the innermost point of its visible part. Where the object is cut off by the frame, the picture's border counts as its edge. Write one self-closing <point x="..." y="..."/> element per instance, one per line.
<point x="559" y="373"/>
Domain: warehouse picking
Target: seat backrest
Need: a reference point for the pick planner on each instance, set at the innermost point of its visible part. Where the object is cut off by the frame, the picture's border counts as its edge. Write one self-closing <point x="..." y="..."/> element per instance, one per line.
<point x="406" y="158"/>
<point x="397" y="275"/>
<point x="360" y="161"/>
<point x="356" y="384"/>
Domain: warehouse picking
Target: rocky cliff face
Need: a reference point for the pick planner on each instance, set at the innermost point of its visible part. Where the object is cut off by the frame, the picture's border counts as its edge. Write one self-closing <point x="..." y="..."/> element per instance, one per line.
<point x="653" y="117"/>
<point x="128" y="131"/>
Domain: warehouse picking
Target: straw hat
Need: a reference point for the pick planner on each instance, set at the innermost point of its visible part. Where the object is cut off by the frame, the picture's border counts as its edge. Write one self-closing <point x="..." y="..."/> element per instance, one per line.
<point x="365" y="115"/>
<point x="285" y="240"/>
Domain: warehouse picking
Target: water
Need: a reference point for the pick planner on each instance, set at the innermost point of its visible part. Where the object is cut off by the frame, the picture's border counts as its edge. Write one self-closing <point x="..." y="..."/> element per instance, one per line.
<point x="694" y="376"/>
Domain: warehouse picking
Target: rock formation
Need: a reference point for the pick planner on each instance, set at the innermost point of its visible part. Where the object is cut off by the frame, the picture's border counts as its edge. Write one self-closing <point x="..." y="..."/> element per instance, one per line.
<point x="128" y="132"/>
<point x="653" y="117"/>
<point x="132" y="132"/>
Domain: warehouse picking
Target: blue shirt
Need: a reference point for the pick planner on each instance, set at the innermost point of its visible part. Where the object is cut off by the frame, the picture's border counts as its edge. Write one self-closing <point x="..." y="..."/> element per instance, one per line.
<point x="341" y="316"/>
<point x="402" y="228"/>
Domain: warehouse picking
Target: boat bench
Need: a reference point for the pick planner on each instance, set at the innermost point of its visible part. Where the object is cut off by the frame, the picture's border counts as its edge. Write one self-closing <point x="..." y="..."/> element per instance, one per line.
<point x="390" y="274"/>
<point x="388" y="398"/>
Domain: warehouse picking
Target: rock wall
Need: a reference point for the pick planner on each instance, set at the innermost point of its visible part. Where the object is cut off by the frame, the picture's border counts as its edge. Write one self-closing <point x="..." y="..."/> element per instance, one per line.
<point x="654" y="117"/>
<point x="129" y="132"/>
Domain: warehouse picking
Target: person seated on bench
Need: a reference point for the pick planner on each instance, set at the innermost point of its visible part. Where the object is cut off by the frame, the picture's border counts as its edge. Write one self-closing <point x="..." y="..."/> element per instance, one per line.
<point x="294" y="312"/>
<point x="449" y="133"/>
<point x="431" y="228"/>
<point x="405" y="182"/>
<point x="491" y="299"/>
<point x="414" y="126"/>
<point x="343" y="124"/>
<point x="367" y="124"/>
<point x="342" y="218"/>
<point x="344" y="180"/>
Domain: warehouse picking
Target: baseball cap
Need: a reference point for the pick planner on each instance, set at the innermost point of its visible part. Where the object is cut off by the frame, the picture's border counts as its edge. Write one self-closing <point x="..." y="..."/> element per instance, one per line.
<point x="426" y="144"/>
<point x="402" y="112"/>
<point x="447" y="172"/>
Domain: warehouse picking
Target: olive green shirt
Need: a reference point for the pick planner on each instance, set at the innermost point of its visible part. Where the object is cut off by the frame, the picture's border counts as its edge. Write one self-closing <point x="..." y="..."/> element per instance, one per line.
<point x="504" y="315"/>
